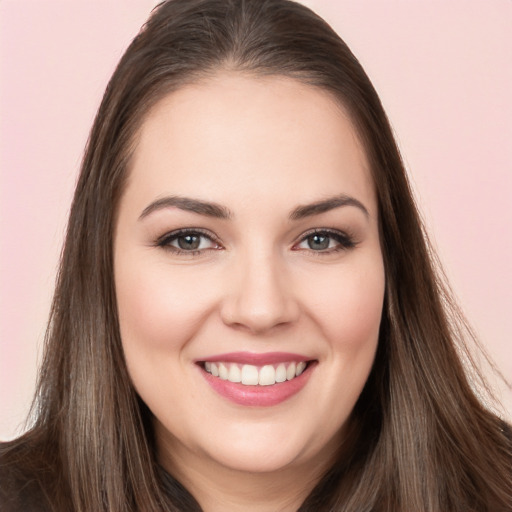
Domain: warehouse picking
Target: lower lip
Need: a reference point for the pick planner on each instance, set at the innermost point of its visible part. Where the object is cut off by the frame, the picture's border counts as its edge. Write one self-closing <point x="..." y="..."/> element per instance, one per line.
<point x="258" y="396"/>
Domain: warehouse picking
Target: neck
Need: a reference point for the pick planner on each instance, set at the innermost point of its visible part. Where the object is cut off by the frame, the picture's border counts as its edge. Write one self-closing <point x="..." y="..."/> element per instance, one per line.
<point x="218" y="488"/>
<point x="248" y="492"/>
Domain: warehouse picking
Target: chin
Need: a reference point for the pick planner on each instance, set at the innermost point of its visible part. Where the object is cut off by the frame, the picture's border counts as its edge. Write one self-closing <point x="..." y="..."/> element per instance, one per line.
<point x="252" y="459"/>
<point x="270" y="450"/>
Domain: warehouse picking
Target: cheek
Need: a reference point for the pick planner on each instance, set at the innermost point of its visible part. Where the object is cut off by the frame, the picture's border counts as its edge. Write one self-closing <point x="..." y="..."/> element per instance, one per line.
<point x="160" y="309"/>
<point x="348" y="314"/>
<point x="361" y="308"/>
<point x="348" y="306"/>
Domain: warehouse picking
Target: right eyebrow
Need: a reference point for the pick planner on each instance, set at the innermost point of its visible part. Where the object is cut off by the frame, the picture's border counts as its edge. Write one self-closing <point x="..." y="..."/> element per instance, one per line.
<point x="188" y="204"/>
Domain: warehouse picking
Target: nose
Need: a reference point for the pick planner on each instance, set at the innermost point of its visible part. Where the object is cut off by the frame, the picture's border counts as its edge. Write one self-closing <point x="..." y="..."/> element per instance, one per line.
<point x="260" y="295"/>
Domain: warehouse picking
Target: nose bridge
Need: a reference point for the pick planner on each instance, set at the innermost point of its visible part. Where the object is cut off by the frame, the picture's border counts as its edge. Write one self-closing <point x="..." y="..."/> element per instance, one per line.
<point x="261" y="296"/>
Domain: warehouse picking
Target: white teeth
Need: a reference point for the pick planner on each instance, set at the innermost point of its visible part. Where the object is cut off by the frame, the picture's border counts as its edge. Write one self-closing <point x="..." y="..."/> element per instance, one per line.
<point x="290" y="373"/>
<point x="223" y="372"/>
<point x="267" y="376"/>
<point x="251" y="375"/>
<point x="300" y="368"/>
<point x="235" y="375"/>
<point x="281" y="373"/>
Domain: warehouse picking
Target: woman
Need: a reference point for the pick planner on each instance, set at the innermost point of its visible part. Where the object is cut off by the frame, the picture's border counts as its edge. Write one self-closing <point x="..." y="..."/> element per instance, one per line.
<point x="247" y="316"/>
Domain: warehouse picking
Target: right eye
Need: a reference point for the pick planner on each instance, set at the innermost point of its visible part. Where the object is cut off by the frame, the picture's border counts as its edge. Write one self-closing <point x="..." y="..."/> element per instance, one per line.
<point x="188" y="241"/>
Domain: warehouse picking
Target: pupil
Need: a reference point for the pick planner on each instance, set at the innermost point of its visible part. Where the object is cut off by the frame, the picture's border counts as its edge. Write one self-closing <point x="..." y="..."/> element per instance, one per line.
<point x="318" y="242"/>
<point x="189" y="242"/>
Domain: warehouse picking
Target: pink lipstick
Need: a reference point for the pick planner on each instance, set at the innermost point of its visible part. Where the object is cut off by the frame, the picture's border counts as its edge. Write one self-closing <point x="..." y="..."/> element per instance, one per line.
<point x="253" y="379"/>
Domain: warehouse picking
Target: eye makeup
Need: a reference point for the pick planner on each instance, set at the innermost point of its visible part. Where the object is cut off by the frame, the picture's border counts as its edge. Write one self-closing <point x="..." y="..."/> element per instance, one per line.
<point x="195" y="241"/>
<point x="325" y="241"/>
<point x="189" y="241"/>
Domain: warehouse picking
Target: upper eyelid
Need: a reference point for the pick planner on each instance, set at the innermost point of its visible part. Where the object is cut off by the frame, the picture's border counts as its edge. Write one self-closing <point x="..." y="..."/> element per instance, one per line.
<point x="214" y="238"/>
<point x="322" y="230"/>
<point x="183" y="231"/>
<point x="345" y="238"/>
<point x="327" y="231"/>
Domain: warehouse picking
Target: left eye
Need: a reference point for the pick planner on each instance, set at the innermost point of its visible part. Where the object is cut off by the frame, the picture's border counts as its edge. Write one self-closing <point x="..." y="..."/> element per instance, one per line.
<point x="325" y="241"/>
<point x="188" y="241"/>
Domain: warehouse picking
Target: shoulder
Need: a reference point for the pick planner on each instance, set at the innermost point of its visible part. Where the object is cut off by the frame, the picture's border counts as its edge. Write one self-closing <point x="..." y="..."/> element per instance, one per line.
<point x="22" y="479"/>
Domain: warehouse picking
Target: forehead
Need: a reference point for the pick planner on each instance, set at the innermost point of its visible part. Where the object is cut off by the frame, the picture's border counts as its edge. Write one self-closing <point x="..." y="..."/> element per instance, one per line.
<point x="271" y="134"/>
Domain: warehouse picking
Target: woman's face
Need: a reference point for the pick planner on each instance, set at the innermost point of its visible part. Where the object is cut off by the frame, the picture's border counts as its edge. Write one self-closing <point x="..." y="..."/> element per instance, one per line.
<point x="247" y="248"/>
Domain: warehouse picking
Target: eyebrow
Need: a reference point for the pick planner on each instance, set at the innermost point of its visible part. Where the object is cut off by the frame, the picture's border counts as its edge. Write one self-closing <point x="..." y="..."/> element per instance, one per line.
<point x="190" y="205"/>
<point x="218" y="211"/>
<point x="326" y="205"/>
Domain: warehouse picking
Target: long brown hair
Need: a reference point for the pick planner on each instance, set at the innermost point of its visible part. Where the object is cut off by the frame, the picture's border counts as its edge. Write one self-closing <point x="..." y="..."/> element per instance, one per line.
<point x="421" y="440"/>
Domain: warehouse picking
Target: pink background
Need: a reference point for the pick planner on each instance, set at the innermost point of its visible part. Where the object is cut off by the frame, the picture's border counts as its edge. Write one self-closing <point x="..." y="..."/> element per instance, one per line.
<point x="444" y="75"/>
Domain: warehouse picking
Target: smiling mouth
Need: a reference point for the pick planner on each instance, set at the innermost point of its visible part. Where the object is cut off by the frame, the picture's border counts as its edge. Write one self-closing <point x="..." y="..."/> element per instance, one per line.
<point x="252" y="375"/>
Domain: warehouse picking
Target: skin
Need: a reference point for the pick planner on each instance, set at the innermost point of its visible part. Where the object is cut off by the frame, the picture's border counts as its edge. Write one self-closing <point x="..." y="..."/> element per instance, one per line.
<point x="259" y="147"/>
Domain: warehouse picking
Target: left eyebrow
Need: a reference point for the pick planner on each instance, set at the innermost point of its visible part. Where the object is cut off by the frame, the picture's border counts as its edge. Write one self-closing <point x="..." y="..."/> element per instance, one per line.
<point x="326" y="205"/>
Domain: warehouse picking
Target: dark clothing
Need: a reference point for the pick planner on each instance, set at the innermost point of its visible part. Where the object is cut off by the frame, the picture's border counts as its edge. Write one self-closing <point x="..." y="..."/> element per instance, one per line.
<point x="34" y="489"/>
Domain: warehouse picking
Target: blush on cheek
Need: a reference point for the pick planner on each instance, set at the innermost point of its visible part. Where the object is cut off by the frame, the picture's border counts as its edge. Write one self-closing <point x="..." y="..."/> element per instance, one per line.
<point x="162" y="312"/>
<point x="357" y="307"/>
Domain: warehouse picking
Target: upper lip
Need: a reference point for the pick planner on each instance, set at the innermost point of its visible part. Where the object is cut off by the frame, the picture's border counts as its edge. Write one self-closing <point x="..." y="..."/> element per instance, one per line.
<point x="256" y="359"/>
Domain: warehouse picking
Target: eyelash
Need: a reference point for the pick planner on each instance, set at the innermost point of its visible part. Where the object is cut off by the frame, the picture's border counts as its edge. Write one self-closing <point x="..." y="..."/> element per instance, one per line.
<point x="344" y="240"/>
<point x="165" y="241"/>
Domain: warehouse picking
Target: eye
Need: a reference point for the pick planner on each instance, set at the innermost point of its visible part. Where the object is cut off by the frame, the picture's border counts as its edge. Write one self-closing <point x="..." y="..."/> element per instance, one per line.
<point x="326" y="241"/>
<point x="190" y="241"/>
